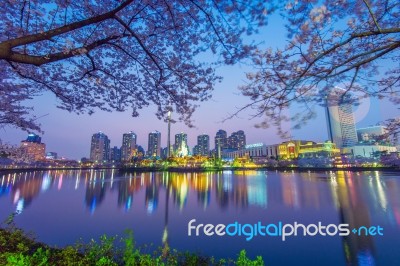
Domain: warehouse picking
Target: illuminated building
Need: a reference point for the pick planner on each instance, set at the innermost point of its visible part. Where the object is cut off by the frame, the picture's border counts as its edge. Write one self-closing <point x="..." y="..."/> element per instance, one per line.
<point x="196" y="150"/>
<point x="361" y="150"/>
<point x="254" y="151"/>
<point x="181" y="147"/>
<point x="290" y="149"/>
<point x="272" y="151"/>
<point x="128" y="147"/>
<point x="115" y="154"/>
<point x="51" y="155"/>
<point x="372" y="134"/>
<point x="34" y="138"/>
<point x="284" y="151"/>
<point x="312" y="149"/>
<point x="33" y="148"/>
<point x="237" y="140"/>
<point x="203" y="145"/>
<point x="154" y="144"/>
<point x="164" y="153"/>
<point x="100" y="147"/>
<point x="221" y="142"/>
<point x="340" y="120"/>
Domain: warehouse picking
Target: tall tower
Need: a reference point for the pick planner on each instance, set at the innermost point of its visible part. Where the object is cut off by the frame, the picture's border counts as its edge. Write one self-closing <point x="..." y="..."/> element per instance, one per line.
<point x="237" y="140"/>
<point x="128" y="145"/>
<point x="340" y="120"/>
<point x="169" y="135"/>
<point x="115" y="154"/>
<point x="241" y="140"/>
<point x="203" y="144"/>
<point x="100" y="147"/>
<point x="181" y="147"/>
<point x="154" y="144"/>
<point x="220" y="142"/>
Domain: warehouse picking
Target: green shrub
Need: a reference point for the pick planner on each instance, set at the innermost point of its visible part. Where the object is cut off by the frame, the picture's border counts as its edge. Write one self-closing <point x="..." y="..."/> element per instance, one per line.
<point x="19" y="249"/>
<point x="243" y="260"/>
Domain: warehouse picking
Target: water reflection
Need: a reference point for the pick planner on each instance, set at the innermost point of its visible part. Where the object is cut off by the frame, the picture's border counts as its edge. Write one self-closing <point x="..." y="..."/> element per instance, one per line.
<point x="239" y="189"/>
<point x="358" y="199"/>
<point x="23" y="193"/>
<point x="358" y="250"/>
<point x="95" y="193"/>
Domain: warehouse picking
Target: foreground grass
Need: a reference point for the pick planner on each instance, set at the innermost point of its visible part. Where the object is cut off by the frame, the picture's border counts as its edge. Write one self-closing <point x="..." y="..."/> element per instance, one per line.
<point x="19" y="248"/>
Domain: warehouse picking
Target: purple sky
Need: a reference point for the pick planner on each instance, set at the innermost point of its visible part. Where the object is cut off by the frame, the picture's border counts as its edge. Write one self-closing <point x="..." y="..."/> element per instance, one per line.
<point x="69" y="134"/>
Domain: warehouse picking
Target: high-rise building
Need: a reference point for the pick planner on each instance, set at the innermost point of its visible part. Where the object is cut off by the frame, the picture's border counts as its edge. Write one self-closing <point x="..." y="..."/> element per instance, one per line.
<point x="100" y="147"/>
<point x="115" y="154"/>
<point x="196" y="150"/>
<point x="154" y="144"/>
<point x="169" y="149"/>
<point x="203" y="145"/>
<point x="164" y="153"/>
<point x="33" y="148"/>
<point x="128" y="147"/>
<point x="181" y="147"/>
<point x="237" y="140"/>
<point x="340" y="120"/>
<point x="221" y="141"/>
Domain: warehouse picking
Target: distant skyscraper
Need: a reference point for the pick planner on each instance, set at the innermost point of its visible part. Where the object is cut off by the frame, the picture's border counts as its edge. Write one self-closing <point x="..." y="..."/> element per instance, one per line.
<point x="237" y="140"/>
<point x="340" y="120"/>
<point x="100" y="147"/>
<point x="196" y="150"/>
<point x="128" y="145"/>
<point x="154" y="144"/>
<point x="115" y="154"/>
<point x="221" y="141"/>
<point x="181" y="147"/>
<point x="164" y="153"/>
<point x="203" y="145"/>
<point x="169" y="136"/>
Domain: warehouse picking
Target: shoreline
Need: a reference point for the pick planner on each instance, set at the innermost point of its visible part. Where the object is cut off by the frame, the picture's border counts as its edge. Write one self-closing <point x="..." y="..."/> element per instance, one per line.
<point x="200" y="170"/>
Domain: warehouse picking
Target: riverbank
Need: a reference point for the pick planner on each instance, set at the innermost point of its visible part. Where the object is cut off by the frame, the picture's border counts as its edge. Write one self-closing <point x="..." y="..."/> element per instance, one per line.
<point x="19" y="248"/>
<point x="213" y="169"/>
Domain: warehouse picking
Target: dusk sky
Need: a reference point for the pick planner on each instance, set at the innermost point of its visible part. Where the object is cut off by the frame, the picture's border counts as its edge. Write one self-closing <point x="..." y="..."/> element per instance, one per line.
<point x="69" y="134"/>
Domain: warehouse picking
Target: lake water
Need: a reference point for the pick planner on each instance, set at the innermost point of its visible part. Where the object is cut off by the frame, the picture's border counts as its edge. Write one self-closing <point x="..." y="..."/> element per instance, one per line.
<point x="60" y="207"/>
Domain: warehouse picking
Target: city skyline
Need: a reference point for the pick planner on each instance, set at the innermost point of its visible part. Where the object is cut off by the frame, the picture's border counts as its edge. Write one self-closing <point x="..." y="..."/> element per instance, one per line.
<point x="229" y="144"/>
<point x="82" y="146"/>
